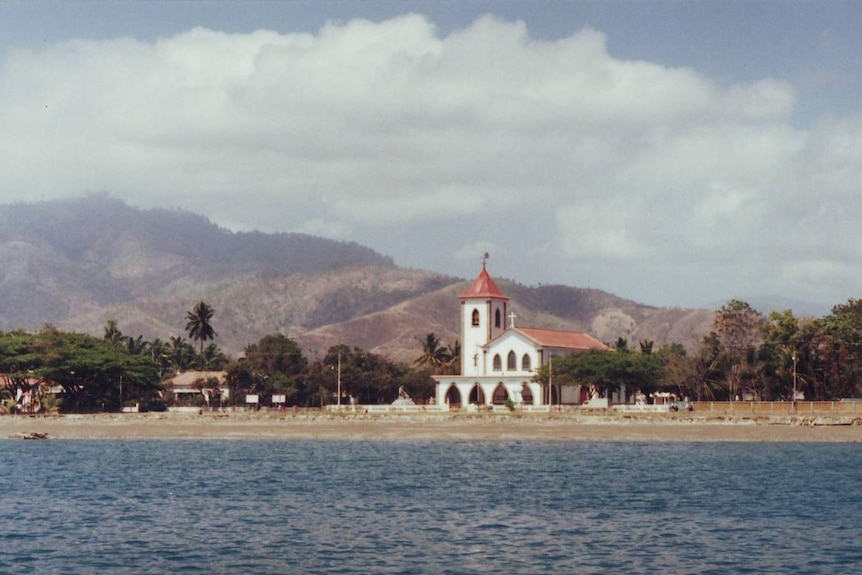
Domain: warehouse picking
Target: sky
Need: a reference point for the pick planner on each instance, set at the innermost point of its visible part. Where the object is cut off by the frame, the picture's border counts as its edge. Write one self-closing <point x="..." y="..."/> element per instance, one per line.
<point x="674" y="153"/>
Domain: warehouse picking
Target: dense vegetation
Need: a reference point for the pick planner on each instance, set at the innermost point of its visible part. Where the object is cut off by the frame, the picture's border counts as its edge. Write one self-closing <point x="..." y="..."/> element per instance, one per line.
<point x="90" y="374"/>
<point x="746" y="356"/>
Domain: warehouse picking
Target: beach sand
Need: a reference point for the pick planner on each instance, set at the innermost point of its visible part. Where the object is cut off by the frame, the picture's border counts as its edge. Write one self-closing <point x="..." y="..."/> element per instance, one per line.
<point x="430" y="427"/>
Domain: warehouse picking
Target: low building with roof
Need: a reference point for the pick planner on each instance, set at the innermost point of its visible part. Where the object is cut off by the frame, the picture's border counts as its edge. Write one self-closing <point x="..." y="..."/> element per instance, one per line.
<point x="499" y="360"/>
<point x="212" y="385"/>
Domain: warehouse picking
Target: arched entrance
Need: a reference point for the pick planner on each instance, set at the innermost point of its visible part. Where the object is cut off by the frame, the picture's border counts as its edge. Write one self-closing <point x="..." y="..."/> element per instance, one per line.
<point x="477" y="395"/>
<point x="526" y="394"/>
<point x="500" y="395"/>
<point x="453" y="396"/>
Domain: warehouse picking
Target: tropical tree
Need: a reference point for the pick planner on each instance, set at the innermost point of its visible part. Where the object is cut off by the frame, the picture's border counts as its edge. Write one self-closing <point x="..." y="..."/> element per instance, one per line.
<point x="834" y="352"/>
<point x="275" y="364"/>
<point x="646" y="346"/>
<point x="198" y="324"/>
<point x="710" y="369"/>
<point x="92" y="373"/>
<point x="433" y="354"/>
<point x="606" y="371"/>
<point x="739" y="328"/>
<point x="113" y="335"/>
<point x="136" y="346"/>
<point x="160" y="354"/>
<point x="366" y="377"/>
<point x="452" y="363"/>
<point x="180" y="353"/>
<point x="213" y="357"/>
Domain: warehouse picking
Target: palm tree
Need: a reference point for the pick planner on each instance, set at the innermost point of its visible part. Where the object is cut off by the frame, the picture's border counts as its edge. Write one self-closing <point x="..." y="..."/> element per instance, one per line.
<point x="198" y="325"/>
<point x="433" y="354"/>
<point x="136" y="346"/>
<point x="453" y="358"/>
<point x="180" y="353"/>
<point x="214" y="356"/>
<point x="160" y="353"/>
<point x="112" y="333"/>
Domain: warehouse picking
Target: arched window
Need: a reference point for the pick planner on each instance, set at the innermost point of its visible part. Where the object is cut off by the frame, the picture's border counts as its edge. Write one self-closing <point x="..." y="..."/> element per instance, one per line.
<point x="526" y="364"/>
<point x="498" y="363"/>
<point x="511" y="361"/>
<point x="497" y="318"/>
<point x="475" y="318"/>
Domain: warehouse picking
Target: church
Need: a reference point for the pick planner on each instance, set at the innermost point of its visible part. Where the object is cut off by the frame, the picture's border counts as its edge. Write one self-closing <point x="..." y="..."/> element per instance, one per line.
<point x="499" y="360"/>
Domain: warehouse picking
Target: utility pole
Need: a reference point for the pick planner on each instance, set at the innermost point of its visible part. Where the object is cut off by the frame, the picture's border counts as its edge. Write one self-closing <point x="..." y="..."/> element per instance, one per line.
<point x="794" y="380"/>
<point x="339" y="382"/>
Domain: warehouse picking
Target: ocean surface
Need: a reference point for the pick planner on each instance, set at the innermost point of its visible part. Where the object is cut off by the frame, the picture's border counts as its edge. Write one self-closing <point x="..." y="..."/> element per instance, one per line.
<point x="270" y="507"/>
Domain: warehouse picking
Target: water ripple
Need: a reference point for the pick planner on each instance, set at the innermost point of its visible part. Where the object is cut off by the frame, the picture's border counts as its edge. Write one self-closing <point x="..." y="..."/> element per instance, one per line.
<point x="426" y="507"/>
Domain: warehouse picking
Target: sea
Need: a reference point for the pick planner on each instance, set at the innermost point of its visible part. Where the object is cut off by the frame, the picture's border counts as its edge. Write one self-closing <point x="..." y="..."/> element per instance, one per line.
<point x="273" y="507"/>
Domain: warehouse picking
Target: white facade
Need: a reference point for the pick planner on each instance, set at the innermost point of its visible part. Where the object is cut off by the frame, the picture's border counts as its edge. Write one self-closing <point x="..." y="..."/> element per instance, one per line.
<point x="499" y="360"/>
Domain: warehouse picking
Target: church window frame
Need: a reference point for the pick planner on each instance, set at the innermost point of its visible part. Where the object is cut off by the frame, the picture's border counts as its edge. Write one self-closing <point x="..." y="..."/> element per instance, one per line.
<point x="498" y="362"/>
<point x="497" y="318"/>
<point x="512" y="361"/>
<point x="475" y="318"/>
<point x="526" y="362"/>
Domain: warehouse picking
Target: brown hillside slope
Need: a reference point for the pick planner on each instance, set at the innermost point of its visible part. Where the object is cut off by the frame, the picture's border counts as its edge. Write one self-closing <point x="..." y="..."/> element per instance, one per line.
<point x="78" y="263"/>
<point x="397" y="332"/>
<point x="249" y="307"/>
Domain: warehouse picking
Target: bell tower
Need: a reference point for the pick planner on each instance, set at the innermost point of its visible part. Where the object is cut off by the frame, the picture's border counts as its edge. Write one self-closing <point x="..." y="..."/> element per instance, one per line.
<point x="483" y="318"/>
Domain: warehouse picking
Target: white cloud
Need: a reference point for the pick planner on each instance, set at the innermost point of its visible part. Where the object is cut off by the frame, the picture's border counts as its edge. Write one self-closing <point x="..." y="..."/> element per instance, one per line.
<point x="464" y="140"/>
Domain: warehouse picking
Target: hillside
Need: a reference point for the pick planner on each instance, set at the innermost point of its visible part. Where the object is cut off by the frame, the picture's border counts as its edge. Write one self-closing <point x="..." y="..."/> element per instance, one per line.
<point x="60" y="260"/>
<point x="78" y="263"/>
<point x="396" y="332"/>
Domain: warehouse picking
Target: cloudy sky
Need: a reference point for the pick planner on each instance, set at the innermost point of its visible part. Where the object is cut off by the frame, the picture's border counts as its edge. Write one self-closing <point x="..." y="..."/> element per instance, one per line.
<point x="669" y="152"/>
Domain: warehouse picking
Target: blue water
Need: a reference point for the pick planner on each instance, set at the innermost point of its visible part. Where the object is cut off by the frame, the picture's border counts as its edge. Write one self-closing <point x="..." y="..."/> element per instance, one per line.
<point x="261" y="507"/>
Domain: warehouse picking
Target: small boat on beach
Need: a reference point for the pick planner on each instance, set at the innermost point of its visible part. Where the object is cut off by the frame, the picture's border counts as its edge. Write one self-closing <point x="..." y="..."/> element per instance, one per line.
<point x="33" y="435"/>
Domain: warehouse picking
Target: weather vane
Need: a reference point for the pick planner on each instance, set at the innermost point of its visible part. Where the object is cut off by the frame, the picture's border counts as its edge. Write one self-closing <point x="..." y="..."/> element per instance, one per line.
<point x="485" y="259"/>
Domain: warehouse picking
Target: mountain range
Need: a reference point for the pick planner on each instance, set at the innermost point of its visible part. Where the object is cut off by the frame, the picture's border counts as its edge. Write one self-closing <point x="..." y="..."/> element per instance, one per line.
<point x="78" y="263"/>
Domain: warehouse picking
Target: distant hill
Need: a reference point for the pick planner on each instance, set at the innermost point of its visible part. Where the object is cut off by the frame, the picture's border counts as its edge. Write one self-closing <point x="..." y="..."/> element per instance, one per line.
<point x="78" y="263"/>
<point x="61" y="259"/>
<point x="396" y="331"/>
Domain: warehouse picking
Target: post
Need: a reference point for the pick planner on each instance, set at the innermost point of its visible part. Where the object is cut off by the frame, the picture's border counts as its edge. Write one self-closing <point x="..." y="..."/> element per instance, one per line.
<point x="794" y="381"/>
<point x="339" y="382"/>
<point x="550" y="382"/>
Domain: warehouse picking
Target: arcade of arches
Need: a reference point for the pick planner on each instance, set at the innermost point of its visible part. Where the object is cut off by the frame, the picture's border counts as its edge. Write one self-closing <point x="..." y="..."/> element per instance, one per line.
<point x="476" y="393"/>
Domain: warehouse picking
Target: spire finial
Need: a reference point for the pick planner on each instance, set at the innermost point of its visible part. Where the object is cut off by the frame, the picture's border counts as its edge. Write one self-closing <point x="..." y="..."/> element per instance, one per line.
<point x="485" y="259"/>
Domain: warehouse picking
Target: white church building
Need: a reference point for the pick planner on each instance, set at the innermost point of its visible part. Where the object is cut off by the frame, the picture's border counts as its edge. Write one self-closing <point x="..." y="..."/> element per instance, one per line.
<point x="499" y="360"/>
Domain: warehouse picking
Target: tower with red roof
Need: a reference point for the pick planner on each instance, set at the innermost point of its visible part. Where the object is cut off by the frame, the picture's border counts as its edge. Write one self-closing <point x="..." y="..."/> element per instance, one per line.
<point x="483" y="318"/>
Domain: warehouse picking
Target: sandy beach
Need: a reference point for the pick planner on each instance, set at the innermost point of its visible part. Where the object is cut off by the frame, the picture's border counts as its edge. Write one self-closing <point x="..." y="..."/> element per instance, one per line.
<point x="428" y="427"/>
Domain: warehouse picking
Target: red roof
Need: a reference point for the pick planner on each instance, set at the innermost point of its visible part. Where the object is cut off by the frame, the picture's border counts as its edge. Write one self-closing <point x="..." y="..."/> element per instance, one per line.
<point x="482" y="287"/>
<point x="561" y="339"/>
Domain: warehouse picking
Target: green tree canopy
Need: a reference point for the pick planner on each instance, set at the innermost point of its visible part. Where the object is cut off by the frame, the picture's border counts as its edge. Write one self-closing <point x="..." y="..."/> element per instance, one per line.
<point x="274" y="364"/>
<point x="369" y="378"/>
<point x="605" y="371"/>
<point x="92" y="372"/>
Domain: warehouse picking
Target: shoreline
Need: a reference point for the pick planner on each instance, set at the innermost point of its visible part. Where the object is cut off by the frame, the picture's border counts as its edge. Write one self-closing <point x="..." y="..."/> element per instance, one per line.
<point x="438" y="427"/>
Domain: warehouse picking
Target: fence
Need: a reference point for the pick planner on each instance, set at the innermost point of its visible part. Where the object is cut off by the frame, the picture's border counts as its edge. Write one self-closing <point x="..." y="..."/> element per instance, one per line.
<point x="387" y="408"/>
<point x="778" y="407"/>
